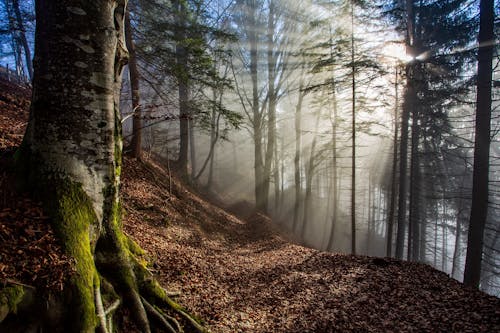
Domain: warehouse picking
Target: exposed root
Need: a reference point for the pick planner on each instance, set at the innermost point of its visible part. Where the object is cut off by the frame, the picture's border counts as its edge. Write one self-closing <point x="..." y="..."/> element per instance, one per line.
<point x="112" y="308"/>
<point x="172" y="293"/>
<point x="101" y="315"/>
<point x="159" y="317"/>
<point x="154" y="293"/>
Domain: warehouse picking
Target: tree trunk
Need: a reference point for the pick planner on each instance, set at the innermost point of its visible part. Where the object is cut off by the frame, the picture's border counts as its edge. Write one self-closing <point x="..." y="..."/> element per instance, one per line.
<point x="479" y="211"/>
<point x="309" y="177"/>
<point x="392" y="207"/>
<point x="192" y="148"/>
<point x="22" y="36"/>
<point x="353" y="158"/>
<point x="272" y="103"/>
<point x="136" y="143"/>
<point x="334" y="125"/>
<point x="71" y="159"/>
<point x="72" y="147"/>
<point x="298" y="149"/>
<point x="183" y="88"/>
<point x="414" y="216"/>
<point x="409" y="104"/>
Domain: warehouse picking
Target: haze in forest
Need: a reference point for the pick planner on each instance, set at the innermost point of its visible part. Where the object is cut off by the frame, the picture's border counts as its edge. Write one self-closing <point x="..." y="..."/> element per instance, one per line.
<point x="350" y="123"/>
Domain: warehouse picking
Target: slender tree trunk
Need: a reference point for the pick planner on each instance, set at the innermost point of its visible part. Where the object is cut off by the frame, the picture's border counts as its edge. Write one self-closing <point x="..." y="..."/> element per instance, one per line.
<point x="479" y="211"/>
<point x="334" y="125"/>
<point x="414" y="222"/>
<point x="409" y="104"/>
<point x="272" y="103"/>
<point x="444" y="226"/>
<point x="260" y="200"/>
<point x="136" y="143"/>
<point x="192" y="148"/>
<point x="276" y="176"/>
<point x="22" y="37"/>
<point x="298" y="149"/>
<point x="392" y="208"/>
<point x="309" y="177"/>
<point x="183" y="88"/>
<point x="353" y="158"/>
<point x="15" y="40"/>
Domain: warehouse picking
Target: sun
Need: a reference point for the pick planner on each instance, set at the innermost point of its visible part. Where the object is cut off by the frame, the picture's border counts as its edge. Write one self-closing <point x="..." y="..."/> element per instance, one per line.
<point x="395" y="51"/>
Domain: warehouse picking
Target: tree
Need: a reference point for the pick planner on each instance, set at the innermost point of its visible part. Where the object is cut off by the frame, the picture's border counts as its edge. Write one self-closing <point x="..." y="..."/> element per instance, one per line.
<point x="136" y="143"/>
<point x="480" y="192"/>
<point x="21" y="33"/>
<point x="71" y="157"/>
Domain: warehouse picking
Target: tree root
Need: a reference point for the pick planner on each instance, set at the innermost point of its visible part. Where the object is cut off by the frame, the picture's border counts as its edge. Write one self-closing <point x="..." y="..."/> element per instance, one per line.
<point x="151" y="291"/>
<point x="160" y="317"/>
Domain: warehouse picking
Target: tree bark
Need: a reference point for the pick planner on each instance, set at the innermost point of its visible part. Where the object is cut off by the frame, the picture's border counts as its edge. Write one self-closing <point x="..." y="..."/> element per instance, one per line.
<point x="479" y="211"/>
<point x="71" y="158"/>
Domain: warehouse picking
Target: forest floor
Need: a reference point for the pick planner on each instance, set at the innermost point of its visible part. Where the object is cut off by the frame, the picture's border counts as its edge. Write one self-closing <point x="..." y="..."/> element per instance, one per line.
<point x="239" y="275"/>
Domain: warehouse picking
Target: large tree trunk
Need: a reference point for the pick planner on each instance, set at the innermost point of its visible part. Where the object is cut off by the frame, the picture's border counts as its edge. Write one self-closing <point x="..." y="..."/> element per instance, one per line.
<point x="136" y="143"/>
<point x="71" y="157"/>
<point x="479" y="210"/>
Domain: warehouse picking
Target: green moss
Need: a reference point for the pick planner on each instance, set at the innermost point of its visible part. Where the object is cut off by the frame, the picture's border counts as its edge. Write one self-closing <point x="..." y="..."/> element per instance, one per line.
<point x="134" y="248"/>
<point x="10" y="297"/>
<point x="73" y="215"/>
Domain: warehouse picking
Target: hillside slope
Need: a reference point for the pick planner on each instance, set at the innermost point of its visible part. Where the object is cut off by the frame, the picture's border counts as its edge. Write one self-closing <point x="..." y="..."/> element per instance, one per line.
<point x="243" y="276"/>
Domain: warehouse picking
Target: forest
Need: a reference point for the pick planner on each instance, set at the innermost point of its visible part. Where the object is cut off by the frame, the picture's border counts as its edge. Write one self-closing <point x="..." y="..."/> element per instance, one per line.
<point x="249" y="165"/>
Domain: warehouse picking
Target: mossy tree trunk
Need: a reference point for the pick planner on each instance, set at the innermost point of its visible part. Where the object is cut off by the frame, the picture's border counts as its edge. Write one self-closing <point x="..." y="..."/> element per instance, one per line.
<point x="71" y="156"/>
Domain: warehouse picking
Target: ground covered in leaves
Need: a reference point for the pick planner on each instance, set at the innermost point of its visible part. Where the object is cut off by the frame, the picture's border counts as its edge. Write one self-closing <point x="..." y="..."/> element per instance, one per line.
<point x="242" y="276"/>
<point x="29" y="252"/>
<point x="239" y="275"/>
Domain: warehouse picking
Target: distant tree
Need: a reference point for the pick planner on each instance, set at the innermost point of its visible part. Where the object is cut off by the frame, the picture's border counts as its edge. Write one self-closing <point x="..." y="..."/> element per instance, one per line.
<point x="16" y="28"/>
<point x="136" y="142"/>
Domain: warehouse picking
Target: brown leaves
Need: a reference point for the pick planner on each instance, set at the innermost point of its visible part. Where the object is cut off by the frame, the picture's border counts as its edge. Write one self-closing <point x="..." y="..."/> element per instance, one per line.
<point x="30" y="253"/>
<point x="244" y="277"/>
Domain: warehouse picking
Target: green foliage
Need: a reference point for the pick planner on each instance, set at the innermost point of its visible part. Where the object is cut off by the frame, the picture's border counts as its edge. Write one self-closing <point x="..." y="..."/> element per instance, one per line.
<point x="183" y="46"/>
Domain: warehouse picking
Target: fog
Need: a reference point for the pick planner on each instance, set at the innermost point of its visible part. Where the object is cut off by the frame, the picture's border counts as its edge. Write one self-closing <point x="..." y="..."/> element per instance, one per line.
<point x="302" y="81"/>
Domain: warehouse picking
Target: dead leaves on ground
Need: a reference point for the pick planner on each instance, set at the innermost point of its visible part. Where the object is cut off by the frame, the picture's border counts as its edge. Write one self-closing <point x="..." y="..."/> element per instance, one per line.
<point x="30" y="253"/>
<point x="244" y="277"/>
